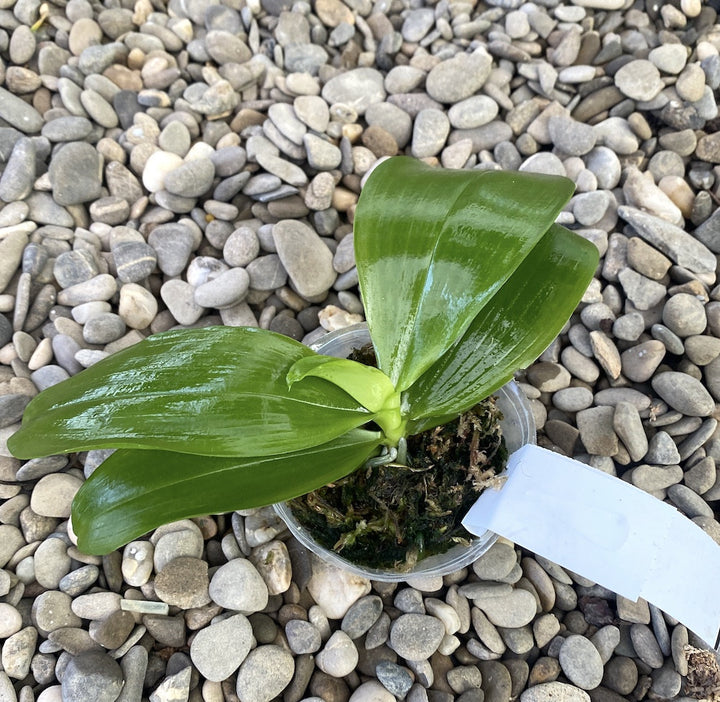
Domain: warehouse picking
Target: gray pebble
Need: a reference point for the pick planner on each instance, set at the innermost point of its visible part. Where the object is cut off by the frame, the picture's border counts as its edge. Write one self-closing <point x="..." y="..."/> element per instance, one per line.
<point x="18" y="176"/>
<point x="134" y="260"/>
<point x="322" y="154"/>
<point x="75" y="174"/>
<point x="581" y="662"/>
<point x="358" y="87"/>
<point x="19" y="114"/>
<point x="192" y="179"/>
<point x="75" y="267"/>
<point x="670" y="340"/>
<point x="51" y="610"/>
<point x="513" y="610"/>
<point x="689" y="502"/>
<point x="416" y="637"/>
<point x="643" y="292"/>
<point x="304" y="256"/>
<point x="12" y="407"/>
<point x="394" y="678"/>
<point x="684" y="393"/>
<point x="429" y="133"/>
<point x="219" y="649"/>
<point x="640" y="362"/>
<point x="621" y="675"/>
<point x="629" y="428"/>
<point x="361" y="616"/>
<point x="572" y="399"/>
<point x="550" y="691"/>
<point x="176" y="686"/>
<point x="303" y="637"/>
<point x="49" y="375"/>
<point x="597" y="432"/>
<point x="265" y="673"/>
<point x="684" y="315"/>
<point x="496" y="563"/>
<point x="226" y="290"/>
<point x="702" y="476"/>
<point x="459" y="77"/>
<point x="646" y="646"/>
<point x="78" y="581"/>
<point x="103" y="328"/>
<point x="237" y="585"/>
<point x="52" y="563"/>
<point x="17" y="652"/>
<point x="675" y="243"/>
<point x="94" y="671"/>
<point x="173" y="244"/>
<point x="570" y="136"/>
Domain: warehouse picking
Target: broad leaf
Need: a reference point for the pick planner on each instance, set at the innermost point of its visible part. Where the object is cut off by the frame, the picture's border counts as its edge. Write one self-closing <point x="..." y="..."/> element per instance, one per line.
<point x="510" y="332"/>
<point x="135" y="491"/>
<point x="433" y="246"/>
<point x="368" y="385"/>
<point x="218" y="391"/>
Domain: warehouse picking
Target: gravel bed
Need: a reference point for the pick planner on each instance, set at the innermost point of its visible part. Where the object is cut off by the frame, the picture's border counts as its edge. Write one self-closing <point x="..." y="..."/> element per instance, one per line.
<point x="194" y="163"/>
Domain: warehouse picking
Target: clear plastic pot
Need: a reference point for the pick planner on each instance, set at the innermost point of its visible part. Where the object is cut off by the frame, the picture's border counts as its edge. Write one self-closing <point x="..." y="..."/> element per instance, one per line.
<point x="518" y="427"/>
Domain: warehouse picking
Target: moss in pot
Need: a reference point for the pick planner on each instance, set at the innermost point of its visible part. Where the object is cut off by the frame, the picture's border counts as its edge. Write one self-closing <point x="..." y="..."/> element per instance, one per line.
<point x="464" y="277"/>
<point x="393" y="554"/>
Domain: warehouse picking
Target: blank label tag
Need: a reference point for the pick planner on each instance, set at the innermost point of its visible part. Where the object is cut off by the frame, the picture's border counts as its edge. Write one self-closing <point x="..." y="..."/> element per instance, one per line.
<point x="607" y="531"/>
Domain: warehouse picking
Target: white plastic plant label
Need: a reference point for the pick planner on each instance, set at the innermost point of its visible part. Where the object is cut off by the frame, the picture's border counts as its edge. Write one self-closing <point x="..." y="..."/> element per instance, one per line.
<point x="607" y="531"/>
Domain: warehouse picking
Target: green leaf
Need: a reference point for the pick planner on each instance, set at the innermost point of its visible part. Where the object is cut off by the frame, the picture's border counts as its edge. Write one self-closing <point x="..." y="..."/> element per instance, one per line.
<point x="510" y="332"/>
<point x="135" y="491"/>
<point x="433" y="246"/>
<point x="218" y="391"/>
<point x="368" y="385"/>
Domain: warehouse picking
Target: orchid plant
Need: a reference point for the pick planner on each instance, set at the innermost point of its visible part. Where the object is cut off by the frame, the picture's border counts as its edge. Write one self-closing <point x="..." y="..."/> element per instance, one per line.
<point x="465" y="278"/>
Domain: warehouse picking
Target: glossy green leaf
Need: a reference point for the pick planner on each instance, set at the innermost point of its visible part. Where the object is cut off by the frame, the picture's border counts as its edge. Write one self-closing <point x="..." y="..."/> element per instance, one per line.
<point x="510" y="332"/>
<point x="368" y="385"/>
<point x="433" y="246"/>
<point x="218" y="391"/>
<point x="135" y="491"/>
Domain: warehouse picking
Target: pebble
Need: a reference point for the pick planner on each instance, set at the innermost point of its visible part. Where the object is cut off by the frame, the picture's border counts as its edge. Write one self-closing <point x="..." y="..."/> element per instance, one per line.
<point x="183" y="583"/>
<point x="237" y="585"/>
<point x="496" y="563"/>
<point x="684" y="393"/>
<point x="670" y="240"/>
<point x="639" y="80"/>
<point x="75" y="174"/>
<point x="229" y="288"/>
<point x="219" y="649"/>
<point x="53" y="494"/>
<point x="265" y="673"/>
<point x="580" y="662"/>
<point x="640" y="362"/>
<point x="416" y="637"/>
<point x="92" y="670"/>
<point x="646" y="646"/>
<point x="361" y="616"/>
<point x="296" y="245"/>
<point x="429" y="133"/>
<point x="358" y="88"/>
<point x="516" y="609"/>
<point x="459" y="77"/>
<point x="339" y="656"/>
<point x="303" y="637"/>
<point x="134" y="261"/>
<point x="17" y="651"/>
<point x="550" y="691"/>
<point x="684" y="315"/>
